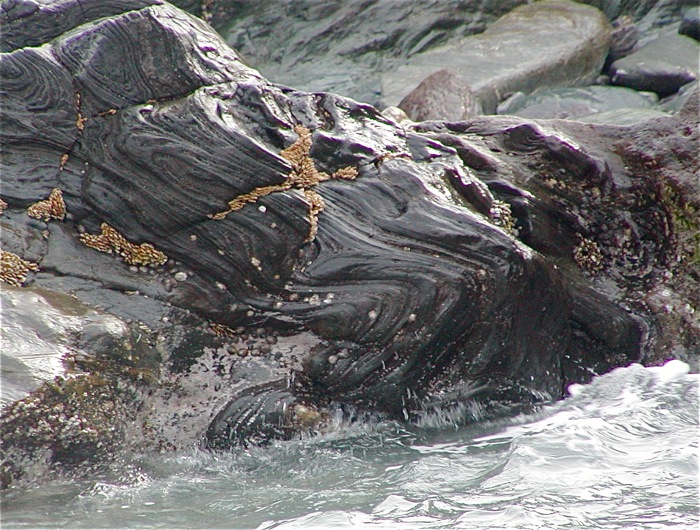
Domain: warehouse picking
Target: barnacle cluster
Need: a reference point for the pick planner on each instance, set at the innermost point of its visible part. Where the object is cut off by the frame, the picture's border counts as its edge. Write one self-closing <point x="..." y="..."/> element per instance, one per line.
<point x="304" y="176"/>
<point x="13" y="269"/>
<point x="52" y="208"/>
<point x="501" y="216"/>
<point x="109" y="240"/>
<point x="72" y="421"/>
<point x="80" y="120"/>
<point x="222" y="330"/>
<point x="588" y="256"/>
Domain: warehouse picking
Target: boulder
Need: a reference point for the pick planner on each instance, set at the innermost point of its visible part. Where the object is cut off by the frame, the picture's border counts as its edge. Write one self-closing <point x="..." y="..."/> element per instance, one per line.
<point x="690" y="24"/>
<point x="545" y="44"/>
<point x="343" y="46"/>
<point x="625" y="116"/>
<point x="662" y="66"/>
<point x="275" y="258"/>
<point x="576" y="103"/>
<point x="346" y="46"/>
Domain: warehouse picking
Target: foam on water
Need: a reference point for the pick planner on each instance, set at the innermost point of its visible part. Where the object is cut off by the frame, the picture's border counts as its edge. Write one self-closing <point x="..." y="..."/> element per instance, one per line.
<point x="621" y="452"/>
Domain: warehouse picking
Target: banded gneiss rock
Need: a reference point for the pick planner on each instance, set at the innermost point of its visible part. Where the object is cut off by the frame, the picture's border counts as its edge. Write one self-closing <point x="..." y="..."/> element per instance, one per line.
<point x="390" y="269"/>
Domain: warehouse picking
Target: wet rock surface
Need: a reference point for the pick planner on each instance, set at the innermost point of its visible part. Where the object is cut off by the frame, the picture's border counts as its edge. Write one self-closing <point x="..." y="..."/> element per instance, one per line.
<point x="274" y="256"/>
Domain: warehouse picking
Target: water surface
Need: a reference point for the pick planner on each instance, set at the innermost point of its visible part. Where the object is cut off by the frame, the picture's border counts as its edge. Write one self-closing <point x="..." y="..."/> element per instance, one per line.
<point x="621" y="452"/>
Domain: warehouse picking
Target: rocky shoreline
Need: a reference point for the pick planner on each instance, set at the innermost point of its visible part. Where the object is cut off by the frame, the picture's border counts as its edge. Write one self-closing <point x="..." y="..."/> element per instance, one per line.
<point x="195" y="255"/>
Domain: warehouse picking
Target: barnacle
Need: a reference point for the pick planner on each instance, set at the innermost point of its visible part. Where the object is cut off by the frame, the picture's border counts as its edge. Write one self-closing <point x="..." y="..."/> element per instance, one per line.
<point x="109" y="240"/>
<point x="588" y="256"/>
<point x="303" y="176"/>
<point x="80" y="120"/>
<point x="13" y="269"/>
<point x="502" y="216"/>
<point x="3" y="206"/>
<point x="222" y="330"/>
<point x="52" y="208"/>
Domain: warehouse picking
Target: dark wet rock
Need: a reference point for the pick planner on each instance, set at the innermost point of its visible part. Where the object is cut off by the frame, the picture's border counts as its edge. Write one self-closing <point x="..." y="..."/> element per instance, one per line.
<point x="34" y="22"/>
<point x="319" y="256"/>
<point x="576" y="102"/>
<point x="675" y="102"/>
<point x="662" y="66"/>
<point x="663" y="18"/>
<point x="623" y="41"/>
<point x="690" y="24"/>
<point x="541" y="45"/>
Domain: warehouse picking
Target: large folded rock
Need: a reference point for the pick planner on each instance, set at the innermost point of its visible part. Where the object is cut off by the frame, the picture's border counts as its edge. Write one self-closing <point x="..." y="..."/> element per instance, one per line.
<point x="273" y="257"/>
<point x="552" y="43"/>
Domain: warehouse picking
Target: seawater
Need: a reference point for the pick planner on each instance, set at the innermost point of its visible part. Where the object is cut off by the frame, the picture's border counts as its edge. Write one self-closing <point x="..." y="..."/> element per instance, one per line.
<point x="620" y="452"/>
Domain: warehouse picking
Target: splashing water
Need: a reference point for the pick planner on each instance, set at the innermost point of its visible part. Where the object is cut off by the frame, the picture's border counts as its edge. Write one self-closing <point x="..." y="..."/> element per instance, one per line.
<point x="621" y="452"/>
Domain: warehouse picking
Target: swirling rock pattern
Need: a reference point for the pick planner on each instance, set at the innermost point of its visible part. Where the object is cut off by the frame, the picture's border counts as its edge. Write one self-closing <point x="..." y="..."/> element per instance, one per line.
<point x="443" y="273"/>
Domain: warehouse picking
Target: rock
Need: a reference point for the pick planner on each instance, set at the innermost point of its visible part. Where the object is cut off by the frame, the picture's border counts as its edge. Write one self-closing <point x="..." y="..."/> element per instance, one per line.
<point x="397" y="115"/>
<point x="662" y="66"/>
<point x="20" y="28"/>
<point x="675" y="102"/>
<point x="690" y="24"/>
<point x="338" y="46"/>
<point x="623" y="116"/>
<point x="541" y="45"/>
<point x="664" y="18"/>
<point x="333" y="257"/>
<point x="442" y="95"/>
<point x="624" y="39"/>
<point x="576" y="103"/>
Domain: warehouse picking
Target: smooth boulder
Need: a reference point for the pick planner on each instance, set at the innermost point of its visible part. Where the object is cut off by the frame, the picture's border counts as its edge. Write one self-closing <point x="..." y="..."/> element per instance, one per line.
<point x="662" y="66"/>
<point x="575" y="103"/>
<point x="547" y="44"/>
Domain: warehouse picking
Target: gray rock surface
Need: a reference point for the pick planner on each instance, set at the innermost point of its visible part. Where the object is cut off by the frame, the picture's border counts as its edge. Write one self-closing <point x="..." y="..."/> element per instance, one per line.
<point x="541" y="45"/>
<point x="576" y="102"/>
<point x="662" y="66"/>
<point x="629" y="116"/>
<point x="345" y="46"/>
